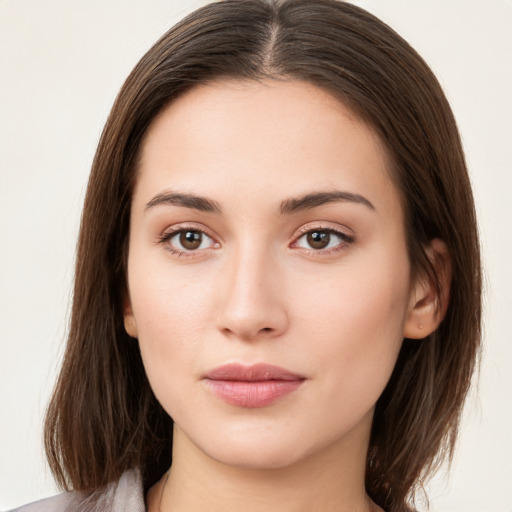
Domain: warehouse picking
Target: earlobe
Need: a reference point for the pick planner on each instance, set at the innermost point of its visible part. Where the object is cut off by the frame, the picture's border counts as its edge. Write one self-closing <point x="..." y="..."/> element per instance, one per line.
<point x="428" y="303"/>
<point x="130" y="326"/>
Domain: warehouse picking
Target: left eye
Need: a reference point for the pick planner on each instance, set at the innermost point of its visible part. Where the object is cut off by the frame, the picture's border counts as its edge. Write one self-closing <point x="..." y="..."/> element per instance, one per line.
<point x="190" y="240"/>
<point x="321" y="239"/>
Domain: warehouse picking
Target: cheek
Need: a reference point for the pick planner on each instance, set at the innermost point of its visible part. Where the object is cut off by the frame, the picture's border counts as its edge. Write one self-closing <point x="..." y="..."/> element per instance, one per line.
<point x="357" y="328"/>
<point x="170" y="315"/>
<point x="166" y="299"/>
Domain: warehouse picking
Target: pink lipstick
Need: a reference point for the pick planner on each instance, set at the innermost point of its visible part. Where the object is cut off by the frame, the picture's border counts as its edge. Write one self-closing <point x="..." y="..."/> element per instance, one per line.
<point x="253" y="386"/>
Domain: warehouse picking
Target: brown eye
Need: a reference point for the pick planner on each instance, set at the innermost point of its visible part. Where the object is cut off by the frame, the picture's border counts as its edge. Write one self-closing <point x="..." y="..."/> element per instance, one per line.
<point x="187" y="240"/>
<point x="191" y="240"/>
<point x="324" y="241"/>
<point x="318" y="239"/>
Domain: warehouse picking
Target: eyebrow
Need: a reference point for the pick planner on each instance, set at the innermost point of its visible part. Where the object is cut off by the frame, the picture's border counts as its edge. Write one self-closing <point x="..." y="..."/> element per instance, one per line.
<point x="288" y="206"/>
<point x="202" y="204"/>
<point x="315" y="199"/>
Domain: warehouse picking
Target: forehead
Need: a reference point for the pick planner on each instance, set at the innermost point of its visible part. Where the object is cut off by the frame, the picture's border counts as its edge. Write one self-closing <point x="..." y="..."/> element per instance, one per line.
<point x="264" y="139"/>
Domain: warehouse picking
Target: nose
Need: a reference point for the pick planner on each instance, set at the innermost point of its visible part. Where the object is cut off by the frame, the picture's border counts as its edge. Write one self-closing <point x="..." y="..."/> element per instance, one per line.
<point x="253" y="305"/>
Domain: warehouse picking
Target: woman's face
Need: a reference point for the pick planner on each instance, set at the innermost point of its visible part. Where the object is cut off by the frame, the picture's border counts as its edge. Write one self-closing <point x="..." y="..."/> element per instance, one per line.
<point x="265" y="230"/>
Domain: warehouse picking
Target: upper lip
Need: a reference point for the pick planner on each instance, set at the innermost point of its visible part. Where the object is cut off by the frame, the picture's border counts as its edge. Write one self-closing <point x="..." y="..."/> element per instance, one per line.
<point x="253" y="373"/>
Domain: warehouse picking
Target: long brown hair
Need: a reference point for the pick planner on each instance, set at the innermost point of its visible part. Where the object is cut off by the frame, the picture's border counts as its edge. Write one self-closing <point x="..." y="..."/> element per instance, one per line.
<point x="103" y="418"/>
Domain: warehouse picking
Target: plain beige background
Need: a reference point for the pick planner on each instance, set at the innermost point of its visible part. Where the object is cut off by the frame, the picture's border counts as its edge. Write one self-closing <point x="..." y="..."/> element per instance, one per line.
<point x="61" y="65"/>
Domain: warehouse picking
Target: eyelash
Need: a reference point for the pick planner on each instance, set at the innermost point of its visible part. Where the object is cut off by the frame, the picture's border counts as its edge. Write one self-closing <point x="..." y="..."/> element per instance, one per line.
<point x="344" y="240"/>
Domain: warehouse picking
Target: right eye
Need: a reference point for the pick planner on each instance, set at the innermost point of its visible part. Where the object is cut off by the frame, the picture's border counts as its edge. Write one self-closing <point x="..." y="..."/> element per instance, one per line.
<point x="183" y="240"/>
<point x="191" y="240"/>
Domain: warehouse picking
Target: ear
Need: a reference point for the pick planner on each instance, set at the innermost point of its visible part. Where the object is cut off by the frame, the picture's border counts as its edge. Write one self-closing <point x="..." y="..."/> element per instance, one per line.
<point x="130" y="326"/>
<point x="428" y="307"/>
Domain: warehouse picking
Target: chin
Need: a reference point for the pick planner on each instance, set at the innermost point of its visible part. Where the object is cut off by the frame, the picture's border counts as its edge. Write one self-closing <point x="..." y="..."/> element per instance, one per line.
<point x="256" y="458"/>
<point x="263" y="449"/>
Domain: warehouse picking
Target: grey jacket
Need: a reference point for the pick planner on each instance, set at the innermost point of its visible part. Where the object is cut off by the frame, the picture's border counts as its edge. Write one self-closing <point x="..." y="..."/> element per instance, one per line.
<point x="125" y="495"/>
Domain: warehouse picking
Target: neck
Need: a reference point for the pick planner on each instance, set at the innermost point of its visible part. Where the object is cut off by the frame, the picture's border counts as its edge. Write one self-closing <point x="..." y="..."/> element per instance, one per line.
<point x="330" y="480"/>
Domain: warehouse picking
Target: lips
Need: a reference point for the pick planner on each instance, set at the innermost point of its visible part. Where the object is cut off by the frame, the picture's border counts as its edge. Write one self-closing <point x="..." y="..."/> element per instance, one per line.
<point x="253" y="386"/>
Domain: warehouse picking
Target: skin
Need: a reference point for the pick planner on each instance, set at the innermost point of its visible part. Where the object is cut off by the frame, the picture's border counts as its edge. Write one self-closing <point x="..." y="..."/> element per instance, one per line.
<point x="255" y="290"/>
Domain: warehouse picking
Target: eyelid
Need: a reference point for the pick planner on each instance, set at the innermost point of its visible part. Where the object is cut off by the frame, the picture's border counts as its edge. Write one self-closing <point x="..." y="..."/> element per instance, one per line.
<point x="192" y="226"/>
<point x="324" y="226"/>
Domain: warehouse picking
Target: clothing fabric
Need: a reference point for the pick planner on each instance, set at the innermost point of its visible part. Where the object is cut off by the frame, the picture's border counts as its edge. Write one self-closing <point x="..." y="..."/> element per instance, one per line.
<point x="125" y="495"/>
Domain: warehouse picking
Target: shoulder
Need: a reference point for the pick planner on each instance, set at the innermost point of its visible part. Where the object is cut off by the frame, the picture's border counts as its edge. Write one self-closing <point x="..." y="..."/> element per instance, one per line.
<point x="125" y="495"/>
<point x="58" y="503"/>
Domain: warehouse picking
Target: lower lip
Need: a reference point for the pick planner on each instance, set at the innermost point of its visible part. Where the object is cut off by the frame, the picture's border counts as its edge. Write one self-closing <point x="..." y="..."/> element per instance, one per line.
<point x="252" y="394"/>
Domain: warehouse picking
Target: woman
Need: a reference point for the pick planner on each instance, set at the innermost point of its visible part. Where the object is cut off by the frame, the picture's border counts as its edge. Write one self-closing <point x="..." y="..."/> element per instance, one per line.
<point x="279" y="252"/>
